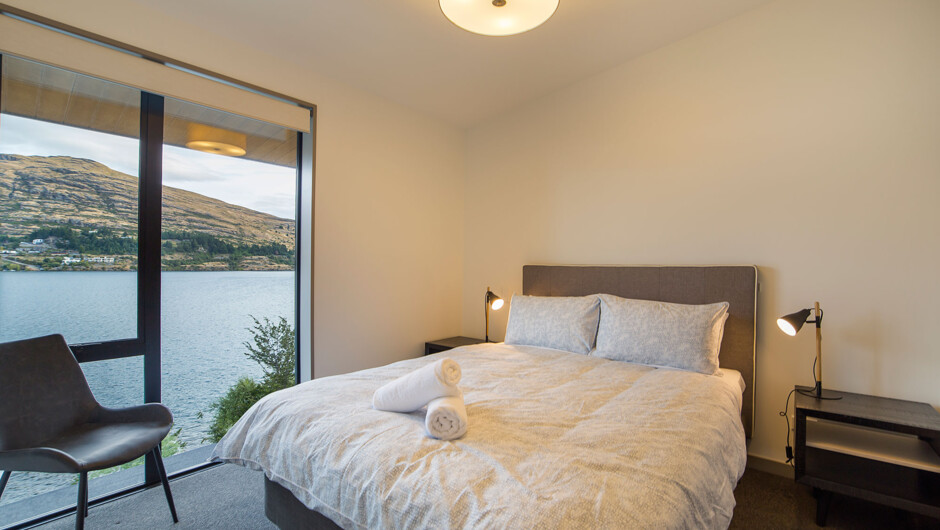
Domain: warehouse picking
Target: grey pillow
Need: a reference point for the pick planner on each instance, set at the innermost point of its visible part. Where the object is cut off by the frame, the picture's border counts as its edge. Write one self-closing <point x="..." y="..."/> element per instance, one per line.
<point x="681" y="336"/>
<point x="566" y="323"/>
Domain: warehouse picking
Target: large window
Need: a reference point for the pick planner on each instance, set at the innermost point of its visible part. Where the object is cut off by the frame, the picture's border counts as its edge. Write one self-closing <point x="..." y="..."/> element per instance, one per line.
<point x="69" y="215"/>
<point x="159" y="238"/>
<point x="68" y="204"/>
<point x="228" y="234"/>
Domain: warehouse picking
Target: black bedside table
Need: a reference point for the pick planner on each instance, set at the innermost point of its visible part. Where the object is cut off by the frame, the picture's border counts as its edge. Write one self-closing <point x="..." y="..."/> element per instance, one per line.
<point x="437" y="346"/>
<point x="877" y="449"/>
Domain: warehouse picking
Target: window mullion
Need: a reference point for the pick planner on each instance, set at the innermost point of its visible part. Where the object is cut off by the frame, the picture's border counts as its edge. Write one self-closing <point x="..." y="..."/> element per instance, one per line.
<point x="148" y="260"/>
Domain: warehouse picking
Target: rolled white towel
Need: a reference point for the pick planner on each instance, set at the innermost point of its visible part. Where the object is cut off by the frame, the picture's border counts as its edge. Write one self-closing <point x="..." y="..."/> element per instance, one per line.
<point x="447" y="418"/>
<point x="413" y="391"/>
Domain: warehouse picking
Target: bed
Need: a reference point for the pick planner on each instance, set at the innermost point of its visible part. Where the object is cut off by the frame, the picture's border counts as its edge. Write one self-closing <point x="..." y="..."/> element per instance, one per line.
<point x="556" y="439"/>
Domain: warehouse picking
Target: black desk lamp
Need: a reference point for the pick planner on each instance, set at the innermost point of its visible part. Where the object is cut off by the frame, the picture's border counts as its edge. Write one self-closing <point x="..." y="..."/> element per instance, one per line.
<point x="491" y="301"/>
<point x="791" y="324"/>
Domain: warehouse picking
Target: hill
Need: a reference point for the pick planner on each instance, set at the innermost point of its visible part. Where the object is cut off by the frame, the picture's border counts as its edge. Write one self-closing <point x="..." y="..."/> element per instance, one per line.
<point x="89" y="208"/>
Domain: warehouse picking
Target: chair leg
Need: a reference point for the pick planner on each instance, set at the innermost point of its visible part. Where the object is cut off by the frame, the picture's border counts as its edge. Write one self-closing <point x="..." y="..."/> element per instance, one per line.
<point x="81" y="510"/>
<point x="166" y="483"/>
<point x="4" y="478"/>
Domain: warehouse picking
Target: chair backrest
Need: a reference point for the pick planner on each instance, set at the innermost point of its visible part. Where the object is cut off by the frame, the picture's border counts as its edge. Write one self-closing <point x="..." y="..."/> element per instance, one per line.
<point x="42" y="391"/>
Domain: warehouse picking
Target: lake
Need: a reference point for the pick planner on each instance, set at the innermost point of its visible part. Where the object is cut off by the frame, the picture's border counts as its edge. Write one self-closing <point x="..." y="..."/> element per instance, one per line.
<point x="205" y="320"/>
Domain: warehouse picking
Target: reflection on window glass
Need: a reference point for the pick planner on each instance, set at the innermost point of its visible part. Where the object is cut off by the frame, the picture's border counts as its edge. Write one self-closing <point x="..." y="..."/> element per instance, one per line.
<point x="68" y="205"/>
<point x="228" y="268"/>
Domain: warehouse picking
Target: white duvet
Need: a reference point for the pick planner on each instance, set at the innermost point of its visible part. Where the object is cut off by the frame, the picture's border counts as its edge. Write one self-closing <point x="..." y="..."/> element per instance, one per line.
<point x="555" y="440"/>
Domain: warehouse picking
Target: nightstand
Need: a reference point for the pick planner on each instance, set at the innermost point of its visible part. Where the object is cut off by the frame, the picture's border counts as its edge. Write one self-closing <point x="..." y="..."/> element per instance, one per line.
<point x="437" y="346"/>
<point x="877" y="449"/>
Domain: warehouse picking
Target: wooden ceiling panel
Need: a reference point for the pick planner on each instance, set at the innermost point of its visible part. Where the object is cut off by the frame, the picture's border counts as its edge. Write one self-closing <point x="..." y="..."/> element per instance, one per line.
<point x="35" y="91"/>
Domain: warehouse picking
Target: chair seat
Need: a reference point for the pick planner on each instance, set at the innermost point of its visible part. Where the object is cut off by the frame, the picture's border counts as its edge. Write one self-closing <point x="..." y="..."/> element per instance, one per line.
<point x="88" y="447"/>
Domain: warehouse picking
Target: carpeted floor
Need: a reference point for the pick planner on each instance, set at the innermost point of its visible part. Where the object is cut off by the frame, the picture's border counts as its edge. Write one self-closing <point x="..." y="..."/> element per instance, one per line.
<point x="770" y="501"/>
<point x="232" y="497"/>
<point x="228" y="496"/>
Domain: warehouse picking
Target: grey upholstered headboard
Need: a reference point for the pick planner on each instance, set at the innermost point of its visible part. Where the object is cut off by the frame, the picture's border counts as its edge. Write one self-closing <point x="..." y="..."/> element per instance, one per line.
<point x="736" y="285"/>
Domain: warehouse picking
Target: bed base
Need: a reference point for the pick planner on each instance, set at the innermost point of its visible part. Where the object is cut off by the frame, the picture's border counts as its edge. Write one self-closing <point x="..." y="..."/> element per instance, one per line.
<point x="288" y="513"/>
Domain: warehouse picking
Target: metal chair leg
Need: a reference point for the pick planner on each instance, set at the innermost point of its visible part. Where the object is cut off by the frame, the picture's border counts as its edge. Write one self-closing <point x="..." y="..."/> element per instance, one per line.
<point x="4" y="478"/>
<point x="81" y="510"/>
<point x="166" y="483"/>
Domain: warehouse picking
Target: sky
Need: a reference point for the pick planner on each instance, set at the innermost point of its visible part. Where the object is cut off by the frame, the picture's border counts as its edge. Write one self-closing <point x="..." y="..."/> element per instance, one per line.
<point x="256" y="185"/>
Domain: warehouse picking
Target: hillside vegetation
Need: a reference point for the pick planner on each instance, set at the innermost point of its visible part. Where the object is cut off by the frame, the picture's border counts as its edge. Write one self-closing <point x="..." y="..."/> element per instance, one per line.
<point x="87" y="212"/>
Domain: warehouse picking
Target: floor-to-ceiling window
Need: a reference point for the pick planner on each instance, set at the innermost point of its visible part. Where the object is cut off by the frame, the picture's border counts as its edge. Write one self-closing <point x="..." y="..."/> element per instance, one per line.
<point x="103" y="186"/>
<point x="228" y="233"/>
<point x="69" y="215"/>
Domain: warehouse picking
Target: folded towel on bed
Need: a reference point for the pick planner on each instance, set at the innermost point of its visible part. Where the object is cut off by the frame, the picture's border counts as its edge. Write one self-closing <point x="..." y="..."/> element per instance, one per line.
<point x="415" y="390"/>
<point x="447" y="418"/>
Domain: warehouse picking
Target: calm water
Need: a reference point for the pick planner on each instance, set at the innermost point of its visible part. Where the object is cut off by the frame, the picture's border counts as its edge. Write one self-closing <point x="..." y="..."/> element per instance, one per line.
<point x="205" y="320"/>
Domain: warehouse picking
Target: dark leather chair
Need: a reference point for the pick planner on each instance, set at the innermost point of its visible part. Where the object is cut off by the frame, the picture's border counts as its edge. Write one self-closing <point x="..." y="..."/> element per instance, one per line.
<point x="50" y="421"/>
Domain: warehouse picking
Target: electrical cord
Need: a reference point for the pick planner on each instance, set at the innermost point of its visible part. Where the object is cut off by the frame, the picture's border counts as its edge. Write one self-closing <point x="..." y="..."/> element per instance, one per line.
<point x="814" y="373"/>
<point x="786" y="417"/>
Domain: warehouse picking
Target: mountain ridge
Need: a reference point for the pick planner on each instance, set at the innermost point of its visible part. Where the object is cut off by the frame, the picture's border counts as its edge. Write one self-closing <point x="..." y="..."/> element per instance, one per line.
<point x="86" y="208"/>
<point x="62" y="190"/>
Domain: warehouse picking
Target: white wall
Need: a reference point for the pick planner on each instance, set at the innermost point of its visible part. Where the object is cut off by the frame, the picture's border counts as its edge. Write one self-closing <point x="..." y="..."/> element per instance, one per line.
<point x="803" y="137"/>
<point x="389" y="191"/>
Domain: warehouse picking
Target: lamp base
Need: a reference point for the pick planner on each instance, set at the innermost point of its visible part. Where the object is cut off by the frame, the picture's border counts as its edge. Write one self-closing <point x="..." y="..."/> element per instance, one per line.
<point x="819" y="393"/>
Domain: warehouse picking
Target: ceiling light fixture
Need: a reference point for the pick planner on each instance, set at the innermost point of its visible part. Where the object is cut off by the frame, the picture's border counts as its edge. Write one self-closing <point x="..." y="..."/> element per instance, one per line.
<point x="498" y="17"/>
<point x="214" y="140"/>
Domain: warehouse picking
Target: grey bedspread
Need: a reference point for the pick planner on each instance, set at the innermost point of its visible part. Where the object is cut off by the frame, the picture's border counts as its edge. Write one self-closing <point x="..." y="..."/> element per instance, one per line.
<point x="555" y="440"/>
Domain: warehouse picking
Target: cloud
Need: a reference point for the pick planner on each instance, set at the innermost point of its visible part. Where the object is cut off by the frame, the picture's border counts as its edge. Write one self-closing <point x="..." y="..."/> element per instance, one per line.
<point x="24" y="136"/>
<point x="256" y="185"/>
<point x="283" y="202"/>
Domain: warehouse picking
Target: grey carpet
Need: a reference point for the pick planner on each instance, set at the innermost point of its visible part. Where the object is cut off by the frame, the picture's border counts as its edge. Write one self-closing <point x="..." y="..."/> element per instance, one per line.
<point x="232" y="497"/>
<point x="227" y="496"/>
<point x="770" y="501"/>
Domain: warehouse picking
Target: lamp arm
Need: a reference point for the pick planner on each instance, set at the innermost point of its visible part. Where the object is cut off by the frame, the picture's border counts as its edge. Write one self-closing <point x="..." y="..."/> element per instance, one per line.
<point x="817" y="320"/>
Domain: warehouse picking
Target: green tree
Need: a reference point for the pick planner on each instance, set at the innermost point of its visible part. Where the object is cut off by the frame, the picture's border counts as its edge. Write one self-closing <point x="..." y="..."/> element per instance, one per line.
<point x="273" y="347"/>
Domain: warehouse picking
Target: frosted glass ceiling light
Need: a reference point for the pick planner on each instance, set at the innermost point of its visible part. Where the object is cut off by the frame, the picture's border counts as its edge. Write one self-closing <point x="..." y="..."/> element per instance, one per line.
<point x="498" y="17"/>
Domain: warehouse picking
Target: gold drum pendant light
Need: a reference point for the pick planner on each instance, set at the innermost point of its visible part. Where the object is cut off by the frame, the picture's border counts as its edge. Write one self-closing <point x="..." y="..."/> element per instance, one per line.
<point x="214" y="140"/>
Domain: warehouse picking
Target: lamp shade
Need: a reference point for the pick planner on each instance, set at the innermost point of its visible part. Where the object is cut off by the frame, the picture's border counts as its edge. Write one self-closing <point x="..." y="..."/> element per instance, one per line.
<point x="498" y="17"/>
<point x="493" y="301"/>
<point x="214" y="140"/>
<point x="791" y="324"/>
